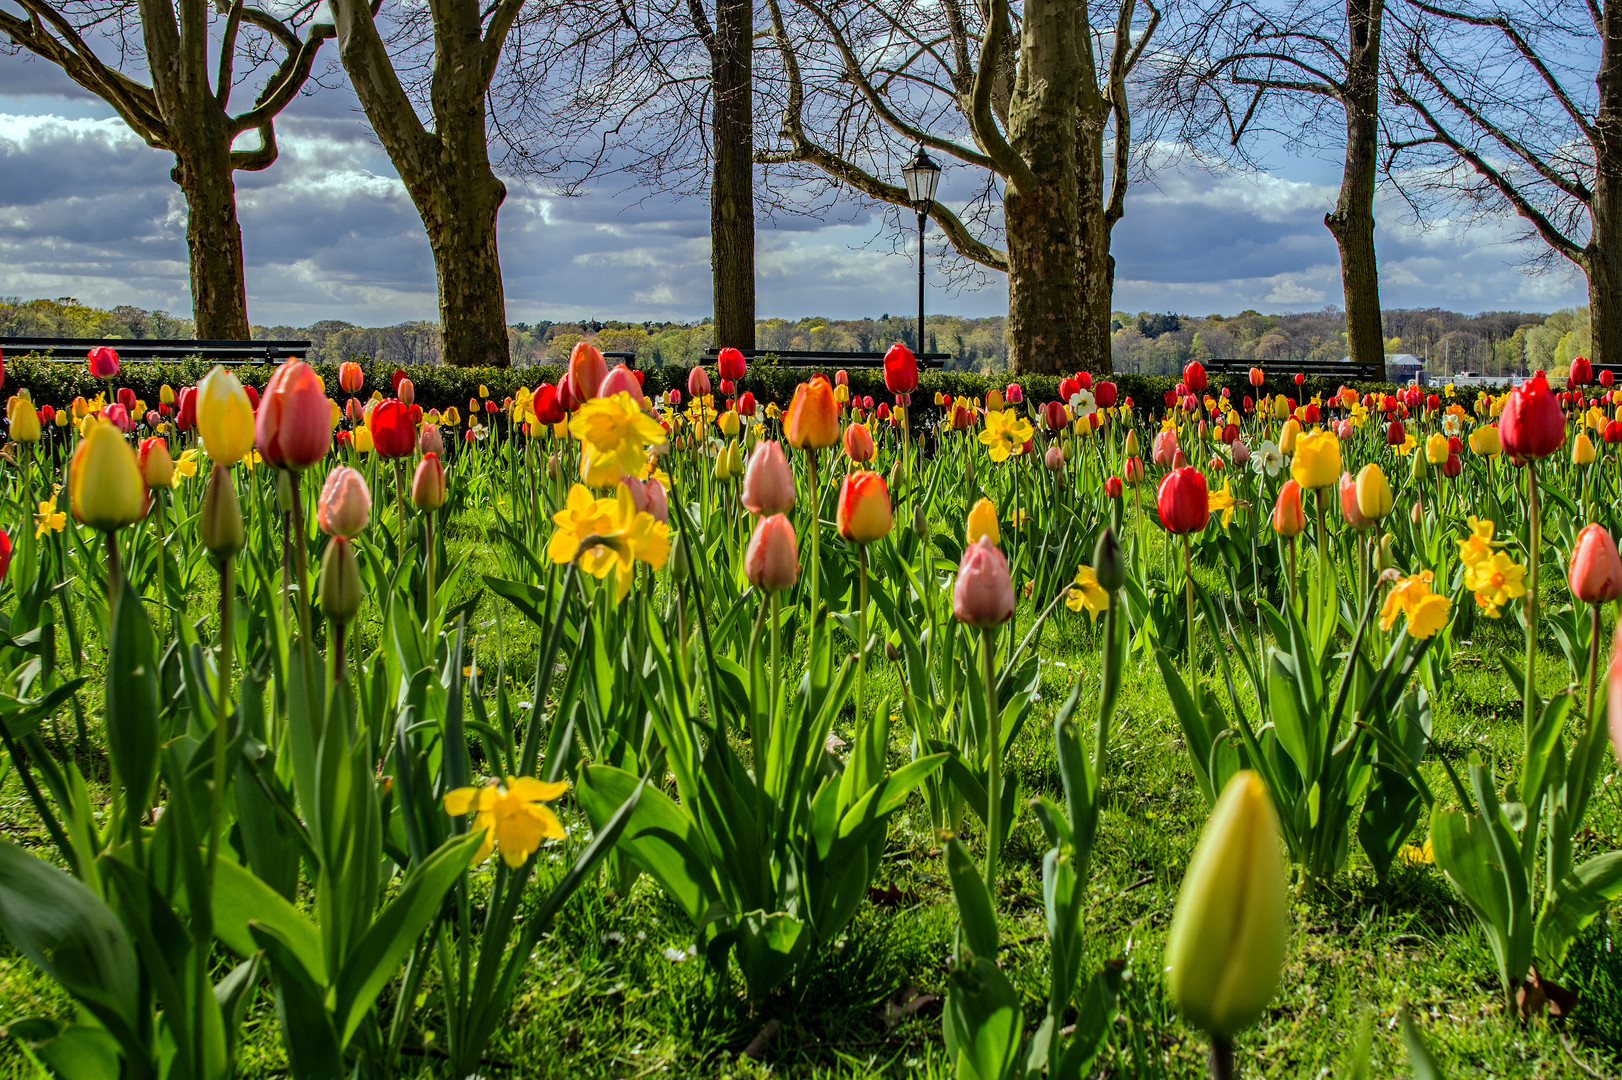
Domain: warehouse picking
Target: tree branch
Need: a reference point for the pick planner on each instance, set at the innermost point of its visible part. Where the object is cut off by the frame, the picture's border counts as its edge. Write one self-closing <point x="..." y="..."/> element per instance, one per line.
<point x="986" y="132"/>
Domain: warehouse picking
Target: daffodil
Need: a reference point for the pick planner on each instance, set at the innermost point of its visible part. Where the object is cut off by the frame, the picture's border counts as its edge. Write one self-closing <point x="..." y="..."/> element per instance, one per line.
<point x="616" y="435"/>
<point x="513" y="816"/>
<point x="49" y="519"/>
<point x="186" y="463"/>
<point x="1267" y="458"/>
<point x="1086" y="592"/>
<point x="1426" y="611"/>
<point x="1222" y="499"/>
<point x="614" y="534"/>
<point x="1005" y="434"/>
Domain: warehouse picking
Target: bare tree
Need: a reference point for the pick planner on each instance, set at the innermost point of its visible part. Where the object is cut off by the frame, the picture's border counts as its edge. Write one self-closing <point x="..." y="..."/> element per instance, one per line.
<point x="447" y="52"/>
<point x="1027" y="96"/>
<point x="1518" y="107"/>
<point x="1307" y="70"/>
<point x="184" y="110"/>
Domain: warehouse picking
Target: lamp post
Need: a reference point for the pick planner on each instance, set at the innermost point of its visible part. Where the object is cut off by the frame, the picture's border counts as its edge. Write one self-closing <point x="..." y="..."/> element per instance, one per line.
<point x="922" y="175"/>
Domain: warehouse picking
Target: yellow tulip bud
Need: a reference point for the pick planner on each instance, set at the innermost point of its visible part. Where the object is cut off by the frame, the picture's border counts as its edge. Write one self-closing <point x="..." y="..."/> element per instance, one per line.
<point x="363" y="440"/>
<point x="1484" y="441"/>
<point x="1436" y="449"/>
<point x="224" y="417"/>
<point x="104" y="481"/>
<point x="1582" y="450"/>
<point x="1317" y="460"/>
<point x="1287" y="437"/>
<point x="1228" y="934"/>
<point x="166" y="394"/>
<point x="1374" y="496"/>
<point x="982" y="522"/>
<point x="22" y="419"/>
<point x="1132" y="443"/>
<point x="63" y="418"/>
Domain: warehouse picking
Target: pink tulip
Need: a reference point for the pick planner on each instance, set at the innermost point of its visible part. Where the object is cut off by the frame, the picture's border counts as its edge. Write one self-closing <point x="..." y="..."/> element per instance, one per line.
<point x="768" y="482"/>
<point x="430" y="440"/>
<point x="1165" y="447"/>
<point x="984" y="593"/>
<point x="346" y="503"/>
<point x="772" y="560"/>
<point x="622" y="380"/>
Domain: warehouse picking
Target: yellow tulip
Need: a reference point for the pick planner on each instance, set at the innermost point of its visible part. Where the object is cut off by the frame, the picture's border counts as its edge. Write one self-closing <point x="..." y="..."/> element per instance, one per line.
<point x="1230" y="929"/>
<point x="1582" y="450"/>
<point x="363" y="440"/>
<point x="104" y="481"/>
<point x="1317" y="460"/>
<point x="982" y="522"/>
<point x="1132" y="443"/>
<point x="1287" y="437"/>
<point x="62" y="418"/>
<point x="22" y="419"/>
<point x="1484" y="441"/>
<point x="1374" y="496"/>
<point x="1436" y="449"/>
<point x="166" y="394"/>
<point x="728" y="423"/>
<point x="224" y="417"/>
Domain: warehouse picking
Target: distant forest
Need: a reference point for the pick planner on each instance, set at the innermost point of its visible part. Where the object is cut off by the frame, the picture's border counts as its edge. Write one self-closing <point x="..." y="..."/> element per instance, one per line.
<point x="1494" y="343"/>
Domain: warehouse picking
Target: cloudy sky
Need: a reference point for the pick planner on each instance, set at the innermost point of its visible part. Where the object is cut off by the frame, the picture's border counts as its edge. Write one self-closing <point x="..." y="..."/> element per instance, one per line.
<point x="88" y="210"/>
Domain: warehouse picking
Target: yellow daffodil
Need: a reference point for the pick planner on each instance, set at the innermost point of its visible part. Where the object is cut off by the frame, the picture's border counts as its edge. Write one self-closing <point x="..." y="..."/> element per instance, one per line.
<point x="513" y="816"/>
<point x="616" y="435"/>
<point x="620" y="534"/>
<point x="1086" y="592"/>
<point x="49" y="519"/>
<point x="1426" y="611"/>
<point x="1005" y="434"/>
<point x="1222" y="499"/>
<point x="186" y="464"/>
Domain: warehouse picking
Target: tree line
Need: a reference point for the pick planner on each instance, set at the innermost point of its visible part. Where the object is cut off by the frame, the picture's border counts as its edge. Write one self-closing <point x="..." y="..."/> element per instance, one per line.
<point x="1054" y="108"/>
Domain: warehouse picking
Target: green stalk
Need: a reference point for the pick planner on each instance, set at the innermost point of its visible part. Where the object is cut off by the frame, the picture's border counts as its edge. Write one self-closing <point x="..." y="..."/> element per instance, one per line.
<point x="1188" y="599"/>
<point x="1593" y="660"/>
<point x="988" y="644"/>
<point x="861" y="634"/>
<point x="1528" y="711"/>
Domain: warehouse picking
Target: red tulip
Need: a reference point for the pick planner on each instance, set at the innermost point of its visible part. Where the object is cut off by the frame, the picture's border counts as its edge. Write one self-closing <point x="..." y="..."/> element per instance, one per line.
<point x="392" y="432"/>
<point x="900" y="370"/>
<point x="984" y="593"/>
<point x="1054" y="417"/>
<point x="1014" y="394"/>
<point x="1432" y="403"/>
<point x="587" y="370"/>
<point x="1194" y="377"/>
<point x="394" y="378"/>
<point x="1106" y="395"/>
<point x="859" y="444"/>
<point x="548" y="405"/>
<point x="102" y="362"/>
<point x="1453" y="466"/>
<point x="566" y="394"/>
<point x="186" y="414"/>
<point x="619" y="381"/>
<point x="5" y="552"/>
<point x="730" y="363"/>
<point x="428" y="485"/>
<point x="350" y="377"/>
<point x="1613" y="431"/>
<point x="1256" y="376"/>
<point x="1289" y="517"/>
<point x="293" y="428"/>
<point x="1068" y="388"/>
<point x="698" y="382"/>
<point x="1532" y="425"/>
<point x="1300" y="379"/>
<point x="746" y="404"/>
<point x="1183" y="501"/>
<point x="1133" y="470"/>
<point x="1606" y="378"/>
<point x="1595" y="574"/>
<point x="1582" y="372"/>
<point x="1395" y="433"/>
<point x="118" y="416"/>
<point x="1113" y="487"/>
<point x="1085" y="378"/>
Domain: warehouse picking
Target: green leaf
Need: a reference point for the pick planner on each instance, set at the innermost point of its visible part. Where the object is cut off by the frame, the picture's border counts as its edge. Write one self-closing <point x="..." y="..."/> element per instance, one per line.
<point x="1419" y="1058"/>
<point x="242" y="899"/>
<point x="983" y="1023"/>
<point x="1573" y="903"/>
<point x="131" y="709"/>
<point x="660" y="837"/>
<point x="78" y="1051"/>
<point x="307" y="1031"/>
<point x="974" y="906"/>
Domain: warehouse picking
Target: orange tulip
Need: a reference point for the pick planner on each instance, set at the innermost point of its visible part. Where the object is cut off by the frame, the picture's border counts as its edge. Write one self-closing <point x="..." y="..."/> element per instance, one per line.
<point x="812" y="420"/>
<point x="1289" y="517"/>
<point x="859" y="444"/>
<point x="864" y="508"/>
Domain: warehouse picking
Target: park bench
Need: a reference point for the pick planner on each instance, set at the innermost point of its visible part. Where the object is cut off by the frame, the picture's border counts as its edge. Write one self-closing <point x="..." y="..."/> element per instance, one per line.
<point x="815" y="358"/>
<point x="74" y="350"/>
<point x="1345" y="370"/>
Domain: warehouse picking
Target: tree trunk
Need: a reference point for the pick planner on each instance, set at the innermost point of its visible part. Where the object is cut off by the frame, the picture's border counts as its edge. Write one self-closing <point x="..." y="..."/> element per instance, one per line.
<point x="732" y="205"/>
<point x="1046" y="293"/>
<point x="219" y="304"/>
<point x="1352" y="221"/>
<point x="1097" y="268"/>
<point x="472" y="305"/>
<point x="1603" y="260"/>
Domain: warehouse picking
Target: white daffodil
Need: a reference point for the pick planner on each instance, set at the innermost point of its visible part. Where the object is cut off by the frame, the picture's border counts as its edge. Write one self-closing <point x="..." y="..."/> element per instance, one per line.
<point x="1267" y="458"/>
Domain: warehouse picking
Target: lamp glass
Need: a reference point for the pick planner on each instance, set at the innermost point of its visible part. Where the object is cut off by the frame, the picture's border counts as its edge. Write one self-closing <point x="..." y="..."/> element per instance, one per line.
<point x="922" y="176"/>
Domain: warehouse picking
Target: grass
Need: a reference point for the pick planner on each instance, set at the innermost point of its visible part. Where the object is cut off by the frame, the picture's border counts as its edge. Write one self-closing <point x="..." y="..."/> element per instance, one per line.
<point x="614" y="990"/>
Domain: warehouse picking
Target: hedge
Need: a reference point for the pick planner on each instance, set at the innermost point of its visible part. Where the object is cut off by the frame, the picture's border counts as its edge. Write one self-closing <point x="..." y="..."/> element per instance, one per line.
<point x="440" y="386"/>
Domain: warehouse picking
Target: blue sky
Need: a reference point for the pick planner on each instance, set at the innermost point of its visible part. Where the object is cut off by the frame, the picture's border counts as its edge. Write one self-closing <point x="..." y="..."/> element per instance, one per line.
<point x="88" y="210"/>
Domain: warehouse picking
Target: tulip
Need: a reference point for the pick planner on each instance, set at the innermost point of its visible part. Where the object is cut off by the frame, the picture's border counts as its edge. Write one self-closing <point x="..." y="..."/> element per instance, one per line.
<point x="1068" y="388"/>
<point x="430" y="440"/>
<point x="102" y="362"/>
<point x="547" y="404"/>
<point x="768" y="482"/>
<point x="350" y="377"/>
<point x="859" y="444"/>
<point x="1288" y="435"/>
<point x="812" y="419"/>
<point x="658" y="501"/>
<point x="1194" y="377"/>
<point x="1014" y="394"/>
<point x="622" y="380"/>
<point x="1317" y="460"/>
<point x="1373" y="494"/>
<point x="1105" y="395"/>
<point x="1165" y="447"/>
<point x="1532" y="425"/>
<point x="1289" y="517"/>
<point x="105" y="485"/>
<point x="1132" y="471"/>
<point x="225" y="417"/>
<point x="1183" y="501"/>
<point x="746" y="404"/>
<point x="391" y="430"/>
<point x="1055" y="416"/>
<point x="340" y="585"/>
<point x="406" y="391"/>
<point x="698" y="382"/>
<point x="428" y="484"/>
<point x="1582" y="450"/>
<point x="1485" y="442"/>
<point x="1225" y="951"/>
<point x="727" y="422"/>
<point x="1595" y="573"/>
<point x="982" y="522"/>
<point x="118" y="416"/>
<point x="1241" y="454"/>
<point x="1349" y="504"/>
<point x="863" y="513"/>
<point x="1582" y="372"/>
<point x="1256" y="376"/>
<point x="157" y="467"/>
<point x="1436" y="449"/>
<point x="1131" y="447"/>
<point x="1053" y="458"/>
<point x="771" y="562"/>
<point x="219" y="525"/>
<point x="731" y="364"/>
<point x="186" y="408"/>
<point x="345" y="505"/>
<point x="984" y="593"/>
<point x="900" y="370"/>
<point x="22" y="420"/>
<point x="364" y="443"/>
<point x="587" y="370"/>
<point x="292" y="428"/>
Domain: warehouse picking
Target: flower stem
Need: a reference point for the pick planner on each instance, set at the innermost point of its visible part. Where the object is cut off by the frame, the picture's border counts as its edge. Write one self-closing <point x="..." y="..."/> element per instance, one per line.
<point x="1528" y="710"/>
<point x="1188" y="599"/>
<point x="988" y="644"/>
<point x="1593" y="660"/>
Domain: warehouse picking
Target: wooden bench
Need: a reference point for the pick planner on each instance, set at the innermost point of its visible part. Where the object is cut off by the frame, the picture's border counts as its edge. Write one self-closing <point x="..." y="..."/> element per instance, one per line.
<point x="74" y="350"/>
<point x="813" y="358"/>
<point x="1345" y="370"/>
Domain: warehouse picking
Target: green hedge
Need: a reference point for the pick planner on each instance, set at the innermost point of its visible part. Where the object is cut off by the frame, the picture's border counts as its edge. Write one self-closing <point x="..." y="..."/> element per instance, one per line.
<point x="57" y="383"/>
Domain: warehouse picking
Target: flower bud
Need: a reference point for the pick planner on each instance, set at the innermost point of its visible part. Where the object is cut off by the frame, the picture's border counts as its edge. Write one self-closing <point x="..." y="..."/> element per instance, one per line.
<point x="1289" y="517"/>
<point x="340" y="581"/>
<point x="157" y="467"/>
<point x="345" y="504"/>
<point x="984" y="593"/>
<point x="1317" y="460"/>
<point x="105" y="485"/>
<point x="863" y="513"/>
<point x="1374" y="498"/>
<point x="1385" y="558"/>
<point x="428" y="484"/>
<point x="219" y="524"/>
<point x="293" y="426"/>
<point x="920" y="522"/>
<point x="678" y="555"/>
<point x="982" y="522"/>
<point x="1225" y="950"/>
<point x="1183" y="501"/>
<point x="430" y="440"/>
<point x="772" y="561"/>
<point x="1109" y="562"/>
<point x="1595" y="574"/>
<point x="859" y="444"/>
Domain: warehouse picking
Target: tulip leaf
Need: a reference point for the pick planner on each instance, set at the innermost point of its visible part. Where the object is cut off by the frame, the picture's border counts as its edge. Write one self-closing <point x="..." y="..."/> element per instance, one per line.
<point x="307" y="1029"/>
<point x="974" y="905"/>
<point x="132" y="715"/>
<point x="1573" y="903"/>
<point x="983" y="1023"/>
<point x="242" y="900"/>
<point x="660" y="838"/>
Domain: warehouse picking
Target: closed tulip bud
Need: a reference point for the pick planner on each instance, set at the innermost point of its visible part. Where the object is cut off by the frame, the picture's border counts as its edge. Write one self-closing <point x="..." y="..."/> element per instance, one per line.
<point x="21" y="419"/>
<point x="1113" y="487"/>
<point x="1109" y="562"/>
<point x="812" y="419"/>
<point x="1595" y="574"/>
<point x="1053" y="458"/>
<point x="1288" y="435"/>
<point x="1385" y="557"/>
<point x="1349" y="504"/>
<point x="1241" y="454"/>
<point x="994" y="402"/>
<point x="1014" y="394"/>
<point x="1194" y="377"/>
<point x="219" y="524"/>
<point x="772" y="560"/>
<point x="1225" y="951"/>
<point x="1452" y="466"/>
<point x="1374" y="498"/>
<point x="363" y="440"/>
<point x="920" y="522"/>
<point x="1484" y="441"/>
<point x="340" y="581"/>
<point x="391" y="428"/>
<point x="900" y="370"/>
<point x="984" y="593"/>
<point x="982" y="522"/>
<point x="345" y="505"/>
<point x="1131" y="446"/>
<point x="430" y="440"/>
<point x="587" y="370"/>
<point x="1165" y="447"/>
<point x="157" y="467"/>
<point x="293" y="428"/>
<point x="622" y="380"/>
<point x="428" y="484"/>
<point x="863" y="513"/>
<point x="1532" y="425"/>
<point x="1436" y="449"/>
<point x="102" y="363"/>
<point x="1289" y="517"/>
<point x="698" y="382"/>
<point x="1183" y="501"/>
<point x="768" y="482"/>
<point x="1420" y="470"/>
<point x="859" y="444"/>
<point x="1256" y="376"/>
<point x="105" y="484"/>
<point x="350" y="377"/>
<point x="1132" y="471"/>
<point x="1582" y="450"/>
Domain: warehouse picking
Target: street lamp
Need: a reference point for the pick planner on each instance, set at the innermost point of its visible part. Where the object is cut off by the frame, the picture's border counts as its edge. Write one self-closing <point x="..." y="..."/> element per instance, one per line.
<point x="922" y="176"/>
